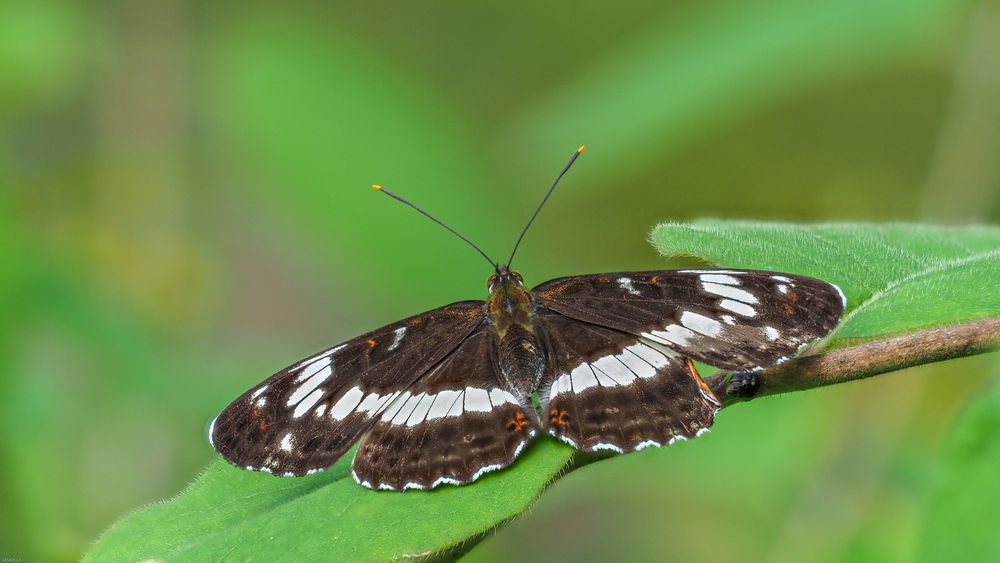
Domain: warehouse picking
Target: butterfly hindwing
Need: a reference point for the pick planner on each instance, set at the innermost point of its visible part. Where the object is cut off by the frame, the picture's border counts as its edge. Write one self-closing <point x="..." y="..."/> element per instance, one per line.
<point x="732" y="319"/>
<point x="454" y="425"/>
<point x="303" y="418"/>
<point x="609" y="390"/>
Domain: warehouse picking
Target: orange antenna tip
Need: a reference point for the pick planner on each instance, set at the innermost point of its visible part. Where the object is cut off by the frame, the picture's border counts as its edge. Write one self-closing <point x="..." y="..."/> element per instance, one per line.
<point x="581" y="149"/>
<point x="377" y="187"/>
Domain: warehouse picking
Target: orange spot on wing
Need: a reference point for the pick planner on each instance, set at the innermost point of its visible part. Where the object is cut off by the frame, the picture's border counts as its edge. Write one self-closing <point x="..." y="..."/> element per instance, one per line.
<point x="558" y="417"/>
<point x="517" y="423"/>
<point x="371" y="342"/>
<point x="263" y="423"/>
<point x="793" y="297"/>
<point x="789" y="310"/>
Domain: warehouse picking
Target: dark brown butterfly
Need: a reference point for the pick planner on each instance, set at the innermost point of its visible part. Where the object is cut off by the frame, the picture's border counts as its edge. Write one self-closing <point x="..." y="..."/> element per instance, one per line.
<point x="446" y="396"/>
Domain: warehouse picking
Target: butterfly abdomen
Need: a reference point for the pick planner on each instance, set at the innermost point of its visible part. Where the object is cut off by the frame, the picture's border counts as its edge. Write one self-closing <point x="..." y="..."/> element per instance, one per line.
<point x="521" y="359"/>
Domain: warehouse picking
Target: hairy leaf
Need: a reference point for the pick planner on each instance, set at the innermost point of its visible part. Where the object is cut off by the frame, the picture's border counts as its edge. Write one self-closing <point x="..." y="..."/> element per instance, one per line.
<point x="898" y="278"/>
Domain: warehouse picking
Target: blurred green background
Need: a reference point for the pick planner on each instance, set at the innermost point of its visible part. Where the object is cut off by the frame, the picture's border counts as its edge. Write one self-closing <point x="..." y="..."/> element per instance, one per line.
<point x="185" y="208"/>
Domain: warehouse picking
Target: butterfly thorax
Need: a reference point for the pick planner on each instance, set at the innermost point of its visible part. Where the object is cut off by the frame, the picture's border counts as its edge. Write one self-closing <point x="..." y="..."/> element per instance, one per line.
<point x="511" y="311"/>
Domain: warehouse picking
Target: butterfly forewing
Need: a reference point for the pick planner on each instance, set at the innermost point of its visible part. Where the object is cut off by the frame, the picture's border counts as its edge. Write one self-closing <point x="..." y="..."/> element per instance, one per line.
<point x="611" y="391"/>
<point x="303" y="418"/>
<point x="453" y="426"/>
<point x="731" y="319"/>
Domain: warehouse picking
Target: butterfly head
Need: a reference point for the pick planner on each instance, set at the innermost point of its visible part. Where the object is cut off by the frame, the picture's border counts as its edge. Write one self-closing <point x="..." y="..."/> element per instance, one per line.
<point x="503" y="279"/>
<point x="509" y="303"/>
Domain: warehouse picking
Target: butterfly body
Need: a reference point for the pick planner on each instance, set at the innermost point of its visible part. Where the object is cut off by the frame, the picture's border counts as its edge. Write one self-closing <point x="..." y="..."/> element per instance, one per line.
<point x="520" y="352"/>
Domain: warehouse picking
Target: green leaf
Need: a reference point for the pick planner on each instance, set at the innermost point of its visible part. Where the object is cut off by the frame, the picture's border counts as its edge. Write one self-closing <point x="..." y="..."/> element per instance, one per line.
<point x="897" y="278"/>
<point x="961" y="520"/>
<point x="235" y="514"/>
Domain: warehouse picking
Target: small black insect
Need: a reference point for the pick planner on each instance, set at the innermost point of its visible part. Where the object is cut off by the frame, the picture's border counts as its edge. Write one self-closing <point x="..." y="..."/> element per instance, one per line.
<point x="446" y="396"/>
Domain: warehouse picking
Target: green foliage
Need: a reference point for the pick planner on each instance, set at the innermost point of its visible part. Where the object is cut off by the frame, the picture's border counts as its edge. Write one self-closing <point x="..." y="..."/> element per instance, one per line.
<point x="37" y="52"/>
<point x="697" y="56"/>
<point x="326" y="158"/>
<point x="962" y="519"/>
<point x="229" y="512"/>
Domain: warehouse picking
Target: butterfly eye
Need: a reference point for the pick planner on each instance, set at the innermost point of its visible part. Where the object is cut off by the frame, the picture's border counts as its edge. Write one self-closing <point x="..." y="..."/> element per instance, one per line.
<point x="490" y="281"/>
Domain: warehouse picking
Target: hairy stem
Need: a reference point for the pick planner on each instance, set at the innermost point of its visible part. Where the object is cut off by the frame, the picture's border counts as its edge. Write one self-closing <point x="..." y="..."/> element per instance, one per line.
<point x="866" y="360"/>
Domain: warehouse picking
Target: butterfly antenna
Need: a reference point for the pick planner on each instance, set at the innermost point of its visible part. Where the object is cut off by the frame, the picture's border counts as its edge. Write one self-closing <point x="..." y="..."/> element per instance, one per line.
<point x="572" y="159"/>
<point x="400" y="198"/>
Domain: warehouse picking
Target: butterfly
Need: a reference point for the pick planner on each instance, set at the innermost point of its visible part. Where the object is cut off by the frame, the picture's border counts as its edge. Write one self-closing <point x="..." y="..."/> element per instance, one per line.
<point x="450" y="395"/>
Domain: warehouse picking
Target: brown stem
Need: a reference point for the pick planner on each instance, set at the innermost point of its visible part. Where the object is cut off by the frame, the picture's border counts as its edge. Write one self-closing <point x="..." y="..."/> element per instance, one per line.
<point x="866" y="360"/>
